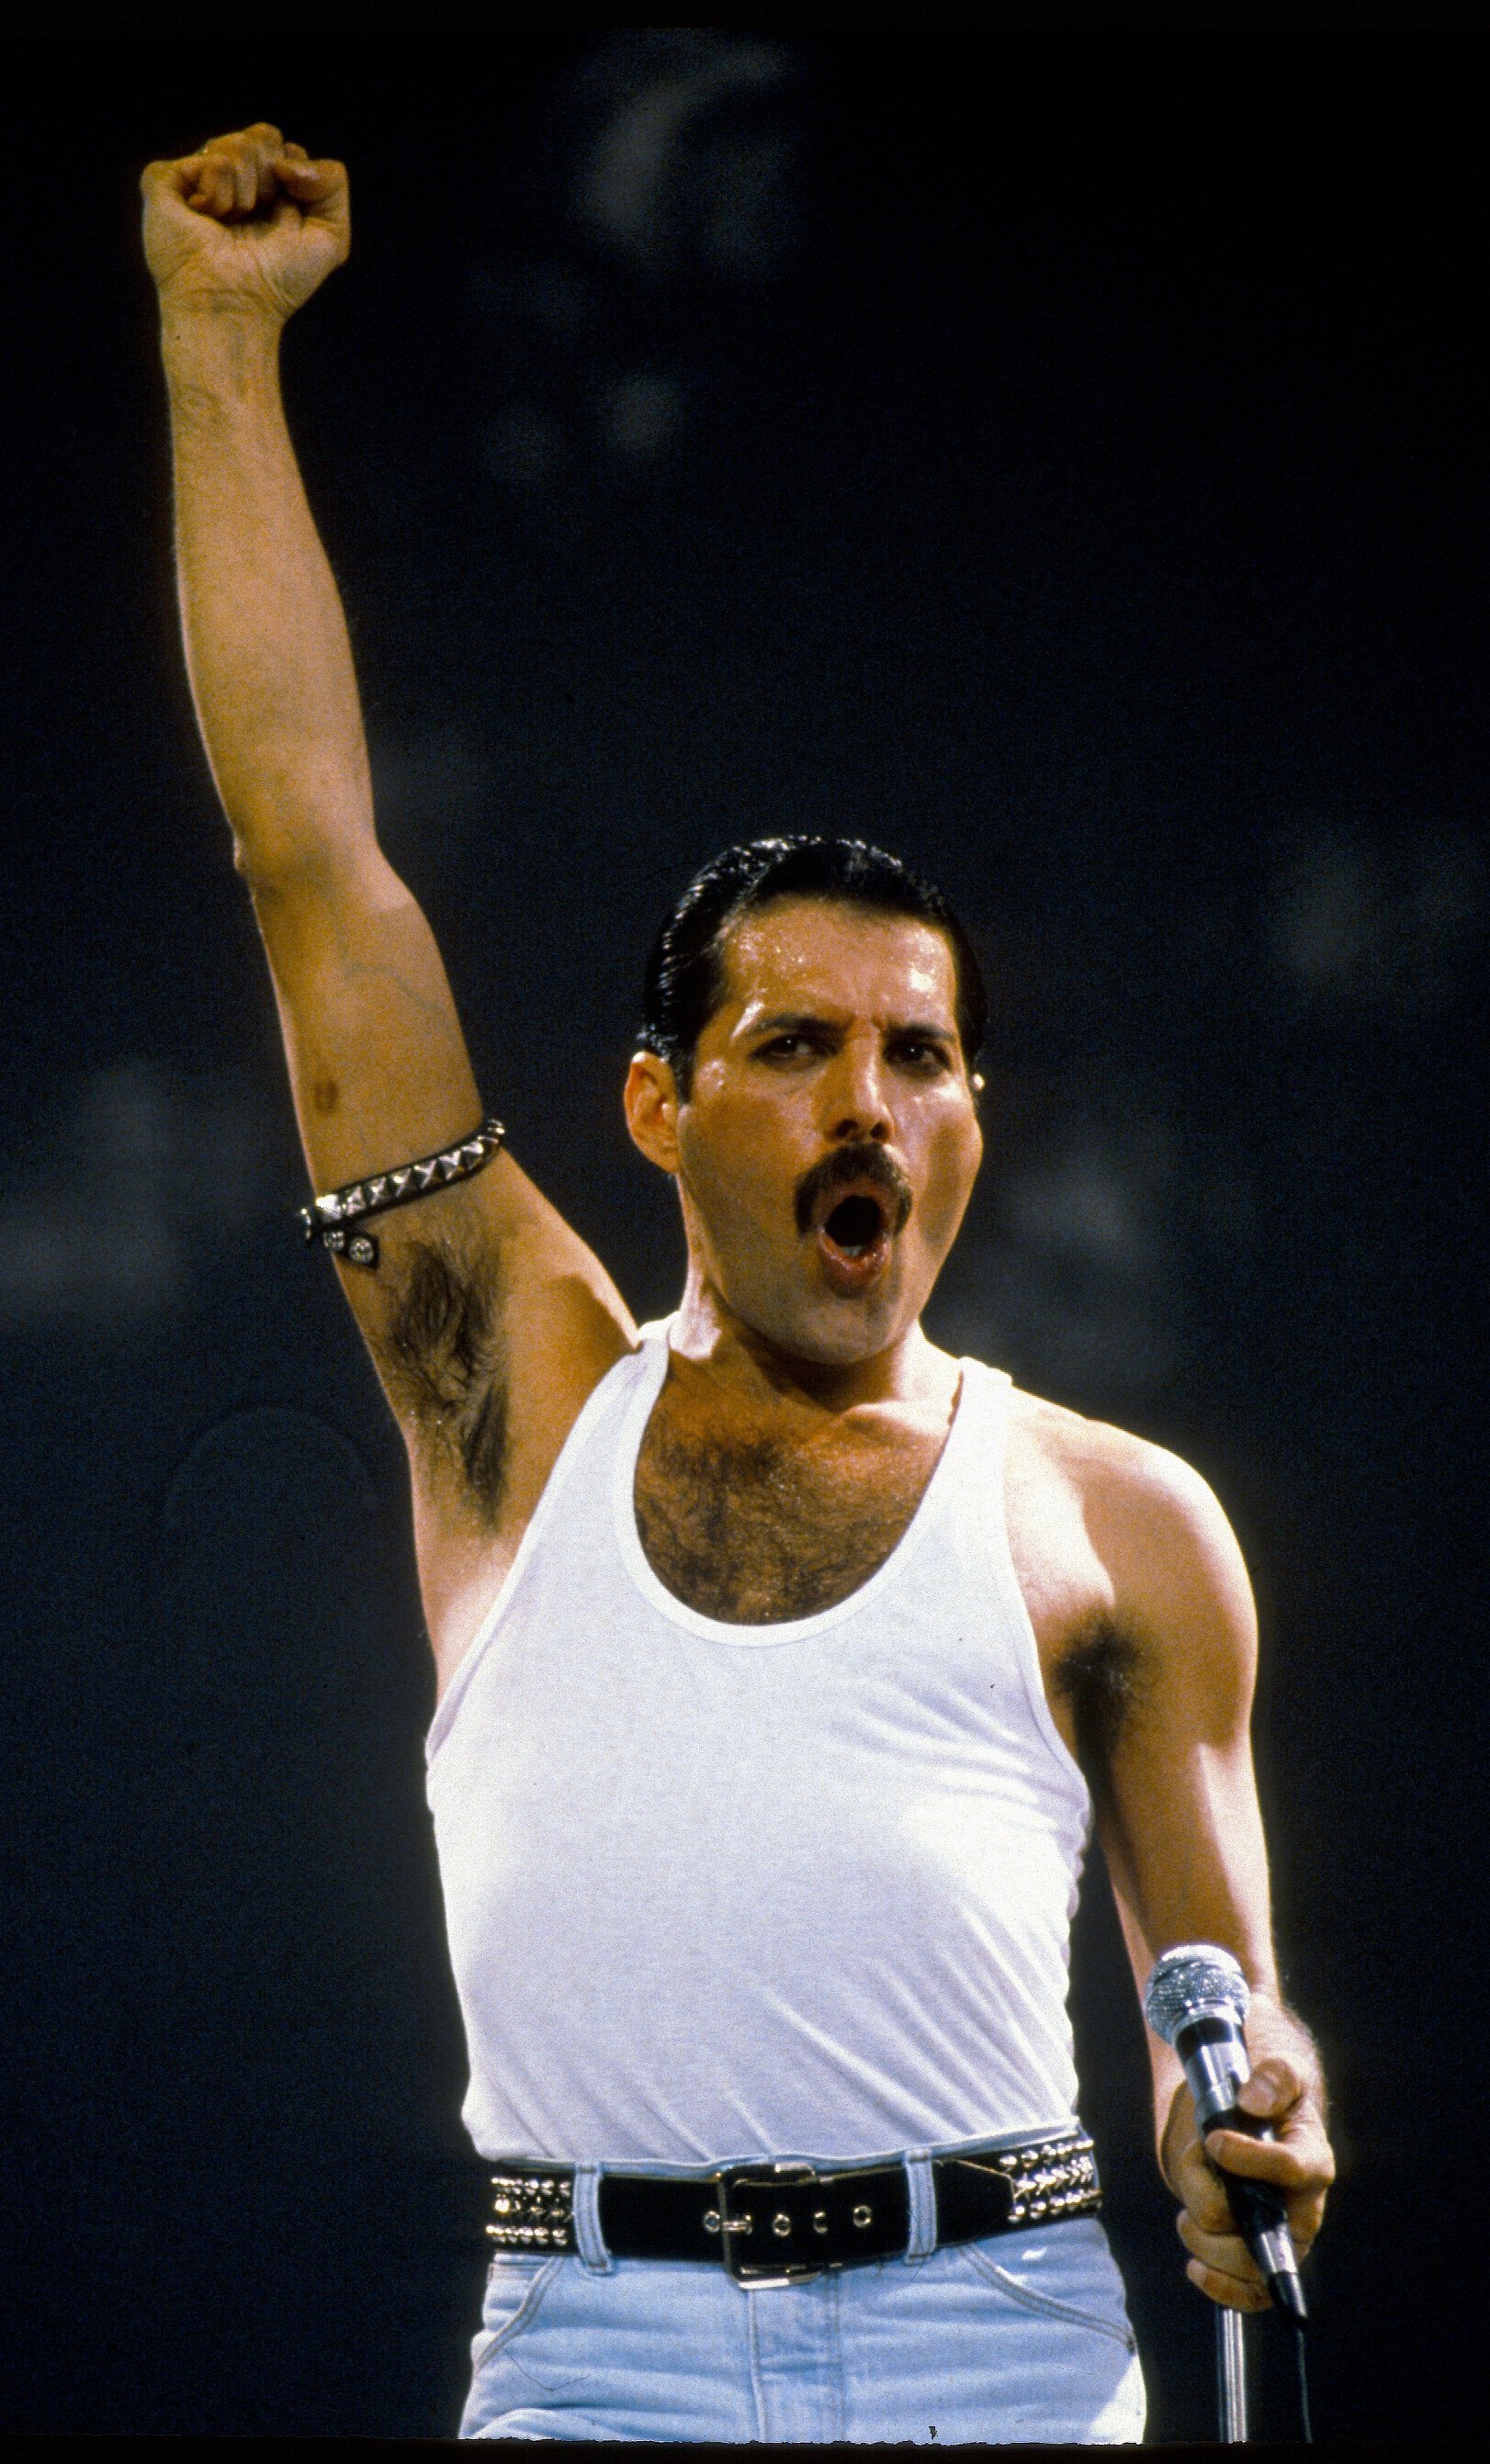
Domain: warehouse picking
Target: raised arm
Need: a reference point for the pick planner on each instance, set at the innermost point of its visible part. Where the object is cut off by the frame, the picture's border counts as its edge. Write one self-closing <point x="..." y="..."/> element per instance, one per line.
<point x="1178" y="1816"/>
<point x="488" y="1319"/>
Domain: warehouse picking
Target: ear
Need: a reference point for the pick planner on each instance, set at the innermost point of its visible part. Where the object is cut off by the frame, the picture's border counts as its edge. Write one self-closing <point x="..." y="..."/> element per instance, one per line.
<point x="652" y="1104"/>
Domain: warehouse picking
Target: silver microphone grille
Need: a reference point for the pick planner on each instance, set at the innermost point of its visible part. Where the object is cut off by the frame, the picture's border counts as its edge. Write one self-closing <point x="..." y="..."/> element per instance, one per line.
<point x="1191" y="1979"/>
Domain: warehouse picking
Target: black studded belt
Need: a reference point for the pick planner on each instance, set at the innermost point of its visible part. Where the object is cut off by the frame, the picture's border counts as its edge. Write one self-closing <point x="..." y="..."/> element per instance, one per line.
<point x="773" y="2223"/>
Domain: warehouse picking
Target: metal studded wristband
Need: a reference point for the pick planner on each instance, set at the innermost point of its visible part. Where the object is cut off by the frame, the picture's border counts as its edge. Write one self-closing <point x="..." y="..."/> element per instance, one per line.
<point x="335" y="1220"/>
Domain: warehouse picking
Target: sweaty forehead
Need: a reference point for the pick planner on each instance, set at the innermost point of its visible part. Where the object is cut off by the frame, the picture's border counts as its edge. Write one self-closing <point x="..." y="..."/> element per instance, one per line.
<point x="823" y="958"/>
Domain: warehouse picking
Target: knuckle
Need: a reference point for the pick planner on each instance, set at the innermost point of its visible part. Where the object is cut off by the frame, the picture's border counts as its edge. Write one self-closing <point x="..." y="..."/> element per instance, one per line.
<point x="1273" y="2071"/>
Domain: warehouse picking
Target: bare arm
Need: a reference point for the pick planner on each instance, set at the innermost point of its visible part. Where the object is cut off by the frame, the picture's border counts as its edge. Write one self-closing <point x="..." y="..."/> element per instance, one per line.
<point x="1182" y="1832"/>
<point x="489" y="1320"/>
<point x="269" y="659"/>
<point x="266" y="642"/>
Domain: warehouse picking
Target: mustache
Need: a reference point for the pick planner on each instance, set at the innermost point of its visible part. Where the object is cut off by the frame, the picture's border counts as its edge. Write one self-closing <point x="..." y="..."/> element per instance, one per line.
<point x="860" y="1164"/>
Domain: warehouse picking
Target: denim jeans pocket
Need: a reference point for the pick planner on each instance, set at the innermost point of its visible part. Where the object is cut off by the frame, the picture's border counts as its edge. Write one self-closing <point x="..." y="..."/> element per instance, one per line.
<point x="516" y="2285"/>
<point x="1053" y="2281"/>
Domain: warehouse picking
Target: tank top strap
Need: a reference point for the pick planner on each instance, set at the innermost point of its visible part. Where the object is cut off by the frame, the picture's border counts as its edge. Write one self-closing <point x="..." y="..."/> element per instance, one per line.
<point x="972" y="1470"/>
<point x="980" y="1486"/>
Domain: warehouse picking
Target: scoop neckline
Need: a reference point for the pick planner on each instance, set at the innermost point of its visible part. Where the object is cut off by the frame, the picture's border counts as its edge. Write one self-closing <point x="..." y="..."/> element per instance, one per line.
<point x="656" y="1349"/>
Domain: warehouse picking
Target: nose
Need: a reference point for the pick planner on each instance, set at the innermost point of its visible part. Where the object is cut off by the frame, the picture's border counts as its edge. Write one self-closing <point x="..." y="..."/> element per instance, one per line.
<point x="856" y="1105"/>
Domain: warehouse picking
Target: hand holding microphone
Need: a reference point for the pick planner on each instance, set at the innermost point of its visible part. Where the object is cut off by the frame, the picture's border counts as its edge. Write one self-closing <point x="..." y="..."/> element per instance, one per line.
<point x="1197" y="2001"/>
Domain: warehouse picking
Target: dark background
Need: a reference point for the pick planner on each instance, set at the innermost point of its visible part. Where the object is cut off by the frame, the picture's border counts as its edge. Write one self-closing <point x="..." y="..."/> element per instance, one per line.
<point x="1063" y="462"/>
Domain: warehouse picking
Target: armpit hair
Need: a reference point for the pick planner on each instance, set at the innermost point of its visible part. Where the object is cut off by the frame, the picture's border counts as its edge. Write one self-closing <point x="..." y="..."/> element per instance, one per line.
<point x="442" y="1346"/>
<point x="1103" y="1677"/>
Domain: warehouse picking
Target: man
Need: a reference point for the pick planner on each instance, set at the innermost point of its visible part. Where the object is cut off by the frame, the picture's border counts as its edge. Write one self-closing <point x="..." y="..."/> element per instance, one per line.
<point x="777" y="1651"/>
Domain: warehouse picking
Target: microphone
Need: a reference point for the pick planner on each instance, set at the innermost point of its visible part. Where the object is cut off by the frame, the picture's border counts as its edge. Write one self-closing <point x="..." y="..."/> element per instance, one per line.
<point x="1196" y="2000"/>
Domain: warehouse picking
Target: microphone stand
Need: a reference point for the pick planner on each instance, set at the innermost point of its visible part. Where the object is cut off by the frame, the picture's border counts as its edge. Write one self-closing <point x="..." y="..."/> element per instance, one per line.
<point x="1230" y="2369"/>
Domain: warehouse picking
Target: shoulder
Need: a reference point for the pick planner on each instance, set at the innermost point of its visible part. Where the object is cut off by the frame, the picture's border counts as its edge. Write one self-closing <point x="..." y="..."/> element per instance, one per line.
<point x="1171" y="1561"/>
<point x="1113" y="1473"/>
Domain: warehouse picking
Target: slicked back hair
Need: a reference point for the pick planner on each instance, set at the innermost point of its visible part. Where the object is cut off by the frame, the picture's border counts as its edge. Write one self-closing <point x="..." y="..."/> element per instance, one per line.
<point x="685" y="972"/>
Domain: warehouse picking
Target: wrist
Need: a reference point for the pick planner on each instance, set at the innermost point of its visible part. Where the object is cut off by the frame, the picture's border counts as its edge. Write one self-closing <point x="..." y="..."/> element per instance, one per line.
<point x="225" y="346"/>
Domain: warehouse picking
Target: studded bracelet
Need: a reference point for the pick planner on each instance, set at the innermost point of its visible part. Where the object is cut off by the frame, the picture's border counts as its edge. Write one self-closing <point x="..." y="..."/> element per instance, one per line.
<point x="335" y="1220"/>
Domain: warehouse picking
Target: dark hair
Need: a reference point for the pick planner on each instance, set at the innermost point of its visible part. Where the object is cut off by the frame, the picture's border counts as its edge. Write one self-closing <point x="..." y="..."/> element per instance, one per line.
<point x="685" y="972"/>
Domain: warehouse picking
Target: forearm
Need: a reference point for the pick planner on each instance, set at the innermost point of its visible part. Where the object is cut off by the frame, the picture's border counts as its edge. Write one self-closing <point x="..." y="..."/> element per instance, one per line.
<point x="266" y="643"/>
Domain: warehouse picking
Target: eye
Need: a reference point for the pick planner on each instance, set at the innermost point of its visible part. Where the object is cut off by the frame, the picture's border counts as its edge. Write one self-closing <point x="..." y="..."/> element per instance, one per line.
<point x="790" y="1044"/>
<point x="921" y="1053"/>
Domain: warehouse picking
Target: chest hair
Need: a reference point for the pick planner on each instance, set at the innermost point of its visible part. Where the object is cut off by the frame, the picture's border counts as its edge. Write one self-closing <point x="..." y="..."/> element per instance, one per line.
<point x="754" y="1530"/>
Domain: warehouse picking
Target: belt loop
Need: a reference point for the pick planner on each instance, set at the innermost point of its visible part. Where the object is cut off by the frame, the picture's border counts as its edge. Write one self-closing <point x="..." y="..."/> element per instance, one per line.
<point x="921" y="2239"/>
<point x="590" y="2239"/>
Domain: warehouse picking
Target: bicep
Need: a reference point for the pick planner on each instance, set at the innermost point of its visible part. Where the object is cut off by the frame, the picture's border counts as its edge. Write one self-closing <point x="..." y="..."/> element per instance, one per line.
<point x="488" y="1319"/>
<point x="1177" y="1801"/>
<point x="378" y="1064"/>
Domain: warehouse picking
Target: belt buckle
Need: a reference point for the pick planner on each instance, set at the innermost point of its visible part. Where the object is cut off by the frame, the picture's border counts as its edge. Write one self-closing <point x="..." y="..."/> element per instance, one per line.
<point x="787" y="2216"/>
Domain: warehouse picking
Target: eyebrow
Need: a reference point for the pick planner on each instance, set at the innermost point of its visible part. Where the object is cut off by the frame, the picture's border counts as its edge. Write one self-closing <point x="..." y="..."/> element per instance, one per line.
<point x="798" y="1020"/>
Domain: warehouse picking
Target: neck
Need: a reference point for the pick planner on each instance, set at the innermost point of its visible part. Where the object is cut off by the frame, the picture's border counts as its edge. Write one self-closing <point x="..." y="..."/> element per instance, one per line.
<point x="709" y="1334"/>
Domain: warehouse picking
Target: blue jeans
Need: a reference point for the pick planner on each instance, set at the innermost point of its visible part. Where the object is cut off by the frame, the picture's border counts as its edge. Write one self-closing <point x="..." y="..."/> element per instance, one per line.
<point x="1023" y="2337"/>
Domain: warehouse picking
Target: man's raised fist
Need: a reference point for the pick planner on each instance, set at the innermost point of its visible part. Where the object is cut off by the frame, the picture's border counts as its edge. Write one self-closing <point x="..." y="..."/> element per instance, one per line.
<point x="248" y="222"/>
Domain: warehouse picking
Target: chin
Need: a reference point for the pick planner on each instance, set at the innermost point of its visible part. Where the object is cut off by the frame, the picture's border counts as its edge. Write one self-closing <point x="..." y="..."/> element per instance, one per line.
<point x="833" y="1333"/>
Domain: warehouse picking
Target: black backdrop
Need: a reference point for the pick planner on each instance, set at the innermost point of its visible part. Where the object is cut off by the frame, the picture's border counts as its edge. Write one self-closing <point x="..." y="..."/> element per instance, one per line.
<point x="1063" y="462"/>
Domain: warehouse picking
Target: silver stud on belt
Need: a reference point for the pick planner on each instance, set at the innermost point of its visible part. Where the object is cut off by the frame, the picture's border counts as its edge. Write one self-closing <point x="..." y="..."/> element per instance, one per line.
<point x="532" y="2211"/>
<point x="1047" y="2182"/>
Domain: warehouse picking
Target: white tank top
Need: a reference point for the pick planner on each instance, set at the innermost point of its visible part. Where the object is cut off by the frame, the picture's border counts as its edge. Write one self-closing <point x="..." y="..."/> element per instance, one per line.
<point x="724" y="1891"/>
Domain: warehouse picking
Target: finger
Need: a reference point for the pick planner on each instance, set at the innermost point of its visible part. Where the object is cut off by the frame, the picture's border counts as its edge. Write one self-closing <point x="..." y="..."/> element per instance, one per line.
<point x="214" y="193"/>
<point x="245" y="182"/>
<point x="1198" y="2187"/>
<point x="1207" y="2203"/>
<point x="1302" y="2164"/>
<point x="308" y="183"/>
<point x="1226" y="2290"/>
<point x="323" y="189"/>
<point x="1305" y="2216"/>
<point x="168" y="179"/>
<point x="321" y="192"/>
<point x="263" y="148"/>
<point x="1225" y="2252"/>
<point x="1275" y="2087"/>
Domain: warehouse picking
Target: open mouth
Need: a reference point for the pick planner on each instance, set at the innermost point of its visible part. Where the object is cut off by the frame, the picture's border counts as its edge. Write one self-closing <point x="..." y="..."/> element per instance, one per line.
<point x="855" y="1241"/>
<point x="852" y="1206"/>
<point x="855" y="1224"/>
